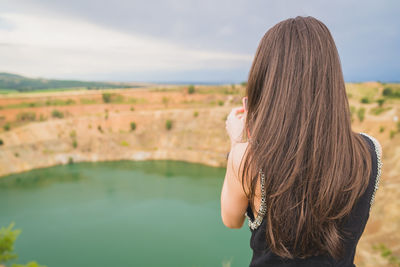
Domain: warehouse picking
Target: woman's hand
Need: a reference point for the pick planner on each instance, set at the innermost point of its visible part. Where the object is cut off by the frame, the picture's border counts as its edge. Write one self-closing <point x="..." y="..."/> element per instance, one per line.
<point x="235" y="123"/>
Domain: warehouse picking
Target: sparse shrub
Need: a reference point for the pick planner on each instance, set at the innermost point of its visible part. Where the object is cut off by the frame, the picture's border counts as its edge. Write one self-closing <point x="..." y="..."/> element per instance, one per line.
<point x="365" y="100"/>
<point x="112" y="97"/>
<point x="70" y="160"/>
<point x="57" y="114"/>
<point x="381" y="129"/>
<point x="353" y="110"/>
<point x="398" y="126"/>
<point x="133" y="126"/>
<point x="191" y="89"/>
<point x="100" y="129"/>
<point x="387" y="91"/>
<point x="196" y="113"/>
<point x="392" y="133"/>
<point x="1" y="142"/>
<point x="390" y="92"/>
<point x="165" y="100"/>
<point x="124" y="143"/>
<point x="72" y="134"/>
<point x="26" y="116"/>
<point x="387" y="254"/>
<point x="117" y="98"/>
<point x="141" y="100"/>
<point x="231" y="90"/>
<point x="168" y="124"/>
<point x="220" y="102"/>
<point x="379" y="110"/>
<point x="132" y="108"/>
<point x="8" y="236"/>
<point x="16" y="154"/>
<point x="6" y="126"/>
<point x="361" y="114"/>
<point x="106" y="97"/>
<point x="69" y="101"/>
<point x="380" y="102"/>
<point x="7" y="239"/>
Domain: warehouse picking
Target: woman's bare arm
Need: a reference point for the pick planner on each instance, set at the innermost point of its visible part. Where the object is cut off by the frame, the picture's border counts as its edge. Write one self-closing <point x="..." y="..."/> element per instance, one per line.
<point x="233" y="199"/>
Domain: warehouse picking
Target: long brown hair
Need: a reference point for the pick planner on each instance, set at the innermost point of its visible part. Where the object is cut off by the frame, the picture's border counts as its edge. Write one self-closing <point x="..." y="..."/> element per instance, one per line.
<point x="315" y="166"/>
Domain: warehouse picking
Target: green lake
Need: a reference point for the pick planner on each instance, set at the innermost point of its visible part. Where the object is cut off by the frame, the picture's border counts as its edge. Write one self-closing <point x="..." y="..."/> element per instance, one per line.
<point x="122" y="213"/>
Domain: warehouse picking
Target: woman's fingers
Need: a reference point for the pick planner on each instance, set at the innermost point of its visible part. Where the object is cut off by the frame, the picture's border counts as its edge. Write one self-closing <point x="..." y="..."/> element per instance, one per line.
<point x="235" y="111"/>
<point x="240" y="109"/>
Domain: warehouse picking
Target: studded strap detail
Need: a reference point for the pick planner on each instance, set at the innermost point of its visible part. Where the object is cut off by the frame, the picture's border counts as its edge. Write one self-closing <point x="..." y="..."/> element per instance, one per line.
<point x="261" y="213"/>
<point x="379" y="167"/>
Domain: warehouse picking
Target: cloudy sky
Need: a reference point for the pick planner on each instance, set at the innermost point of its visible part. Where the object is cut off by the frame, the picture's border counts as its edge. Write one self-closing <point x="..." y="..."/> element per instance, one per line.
<point x="184" y="40"/>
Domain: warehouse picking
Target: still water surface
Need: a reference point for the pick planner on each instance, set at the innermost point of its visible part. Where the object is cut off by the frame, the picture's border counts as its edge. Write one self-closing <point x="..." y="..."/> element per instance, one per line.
<point x="124" y="213"/>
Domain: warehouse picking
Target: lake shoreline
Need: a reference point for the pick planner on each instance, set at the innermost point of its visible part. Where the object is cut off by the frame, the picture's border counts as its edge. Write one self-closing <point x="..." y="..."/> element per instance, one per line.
<point x="215" y="160"/>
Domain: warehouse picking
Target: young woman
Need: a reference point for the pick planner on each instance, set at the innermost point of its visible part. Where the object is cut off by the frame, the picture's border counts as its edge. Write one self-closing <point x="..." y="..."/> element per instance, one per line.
<point x="296" y="169"/>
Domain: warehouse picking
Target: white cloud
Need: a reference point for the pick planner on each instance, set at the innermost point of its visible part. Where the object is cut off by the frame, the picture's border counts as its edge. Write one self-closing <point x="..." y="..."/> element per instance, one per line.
<point x="63" y="47"/>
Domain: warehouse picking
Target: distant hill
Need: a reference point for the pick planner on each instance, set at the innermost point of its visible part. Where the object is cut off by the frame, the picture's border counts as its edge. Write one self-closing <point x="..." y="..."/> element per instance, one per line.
<point x="23" y="84"/>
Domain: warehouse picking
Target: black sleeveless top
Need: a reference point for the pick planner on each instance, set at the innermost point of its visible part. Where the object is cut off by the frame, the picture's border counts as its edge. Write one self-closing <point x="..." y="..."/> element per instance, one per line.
<point x="355" y="225"/>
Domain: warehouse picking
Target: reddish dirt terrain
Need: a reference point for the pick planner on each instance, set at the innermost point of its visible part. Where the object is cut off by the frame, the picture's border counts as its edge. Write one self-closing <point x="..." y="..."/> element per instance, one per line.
<point x="89" y="129"/>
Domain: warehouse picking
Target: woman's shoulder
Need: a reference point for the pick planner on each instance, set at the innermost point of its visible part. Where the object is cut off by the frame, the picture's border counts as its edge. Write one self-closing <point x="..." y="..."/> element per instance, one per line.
<point x="377" y="145"/>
